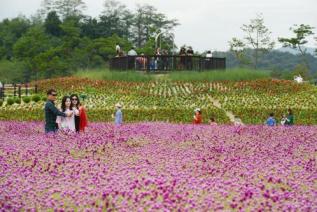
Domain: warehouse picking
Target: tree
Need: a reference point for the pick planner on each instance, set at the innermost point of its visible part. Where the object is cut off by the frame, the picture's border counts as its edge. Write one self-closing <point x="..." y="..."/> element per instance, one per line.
<point x="148" y="22"/>
<point x="257" y="38"/>
<point x="52" y="24"/>
<point x="115" y="19"/>
<point x="301" y="33"/>
<point x="30" y="45"/>
<point x="64" y="8"/>
<point x="10" y="32"/>
<point x="238" y="48"/>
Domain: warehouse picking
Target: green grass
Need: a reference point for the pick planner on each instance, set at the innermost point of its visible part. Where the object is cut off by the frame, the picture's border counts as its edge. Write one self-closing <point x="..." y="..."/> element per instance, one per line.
<point x="106" y="74"/>
<point x="220" y="75"/>
<point x="216" y="75"/>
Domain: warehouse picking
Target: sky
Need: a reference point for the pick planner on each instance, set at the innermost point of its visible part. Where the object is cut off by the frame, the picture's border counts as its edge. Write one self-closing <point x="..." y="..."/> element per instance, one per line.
<point x="205" y="24"/>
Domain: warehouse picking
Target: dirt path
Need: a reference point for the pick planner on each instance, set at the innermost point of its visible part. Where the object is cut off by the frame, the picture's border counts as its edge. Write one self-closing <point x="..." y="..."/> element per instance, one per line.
<point x="217" y="104"/>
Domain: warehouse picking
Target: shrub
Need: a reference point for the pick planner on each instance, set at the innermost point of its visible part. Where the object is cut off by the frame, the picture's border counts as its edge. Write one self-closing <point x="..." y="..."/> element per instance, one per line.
<point x="17" y="100"/>
<point x="10" y="101"/>
<point x="36" y="98"/>
<point x="1" y="103"/>
<point x="26" y="99"/>
<point x="44" y="98"/>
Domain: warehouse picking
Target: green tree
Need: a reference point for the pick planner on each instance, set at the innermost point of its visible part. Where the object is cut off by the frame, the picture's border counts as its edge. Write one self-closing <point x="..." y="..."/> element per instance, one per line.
<point x="148" y="22"/>
<point x="302" y="70"/>
<point x="116" y="19"/>
<point x="64" y="8"/>
<point x="237" y="47"/>
<point x="52" y="24"/>
<point x="34" y="42"/>
<point x="299" y="40"/>
<point x="258" y="38"/>
<point x="10" y="32"/>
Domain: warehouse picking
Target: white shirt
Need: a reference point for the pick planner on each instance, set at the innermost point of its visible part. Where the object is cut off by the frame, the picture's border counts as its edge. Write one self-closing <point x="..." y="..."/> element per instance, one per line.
<point x="208" y="55"/>
<point x="118" y="48"/>
<point x="67" y="123"/>
<point x="132" y="52"/>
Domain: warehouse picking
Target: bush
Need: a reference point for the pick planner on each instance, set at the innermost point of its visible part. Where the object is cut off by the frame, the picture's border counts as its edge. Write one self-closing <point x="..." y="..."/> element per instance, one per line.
<point x="1" y="103"/>
<point x="17" y="100"/>
<point x="44" y="98"/>
<point x="10" y="101"/>
<point x="36" y="98"/>
<point x="26" y="99"/>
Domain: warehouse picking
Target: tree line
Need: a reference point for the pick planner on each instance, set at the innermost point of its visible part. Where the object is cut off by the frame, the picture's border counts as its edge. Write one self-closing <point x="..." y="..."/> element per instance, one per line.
<point x="252" y="50"/>
<point x="60" y="38"/>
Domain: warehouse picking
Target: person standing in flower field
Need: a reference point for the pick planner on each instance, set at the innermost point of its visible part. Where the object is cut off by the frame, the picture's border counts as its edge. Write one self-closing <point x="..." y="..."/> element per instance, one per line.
<point x="67" y="123"/>
<point x="118" y="115"/>
<point x="81" y="120"/>
<point x="51" y="112"/>
<point x="290" y="118"/>
<point x="271" y="120"/>
<point x="197" y="117"/>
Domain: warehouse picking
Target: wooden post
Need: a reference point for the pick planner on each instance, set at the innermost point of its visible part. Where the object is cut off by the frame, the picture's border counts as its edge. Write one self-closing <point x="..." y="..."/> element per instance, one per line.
<point x="3" y="91"/>
<point x="15" y="89"/>
<point x="26" y="89"/>
<point x="19" y="91"/>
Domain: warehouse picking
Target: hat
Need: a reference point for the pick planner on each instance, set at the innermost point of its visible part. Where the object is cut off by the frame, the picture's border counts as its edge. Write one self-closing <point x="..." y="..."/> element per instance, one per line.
<point x="197" y="110"/>
<point x="118" y="105"/>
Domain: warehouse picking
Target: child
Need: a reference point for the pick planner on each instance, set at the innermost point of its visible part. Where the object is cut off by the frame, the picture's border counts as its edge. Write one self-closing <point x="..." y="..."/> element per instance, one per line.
<point x="283" y="120"/>
<point x="197" y="116"/>
<point x="212" y="121"/>
<point x="271" y="120"/>
<point x="118" y="115"/>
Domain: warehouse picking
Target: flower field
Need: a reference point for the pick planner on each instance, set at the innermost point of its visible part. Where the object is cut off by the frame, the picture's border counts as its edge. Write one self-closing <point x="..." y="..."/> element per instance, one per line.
<point x="174" y="102"/>
<point x="158" y="167"/>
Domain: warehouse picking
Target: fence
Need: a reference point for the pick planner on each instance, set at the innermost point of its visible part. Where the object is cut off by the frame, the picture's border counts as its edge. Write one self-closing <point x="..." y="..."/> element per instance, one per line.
<point x="167" y="63"/>
<point x="17" y="90"/>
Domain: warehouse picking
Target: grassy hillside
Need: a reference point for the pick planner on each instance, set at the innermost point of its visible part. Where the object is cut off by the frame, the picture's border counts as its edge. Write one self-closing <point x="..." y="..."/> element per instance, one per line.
<point x="216" y="75"/>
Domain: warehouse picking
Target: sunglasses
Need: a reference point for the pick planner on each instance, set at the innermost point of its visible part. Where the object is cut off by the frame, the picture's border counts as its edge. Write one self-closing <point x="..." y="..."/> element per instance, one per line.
<point x="54" y="94"/>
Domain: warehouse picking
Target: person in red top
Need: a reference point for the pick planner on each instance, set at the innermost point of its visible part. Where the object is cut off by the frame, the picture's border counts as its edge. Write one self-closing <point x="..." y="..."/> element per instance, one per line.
<point x="197" y="117"/>
<point x="81" y="121"/>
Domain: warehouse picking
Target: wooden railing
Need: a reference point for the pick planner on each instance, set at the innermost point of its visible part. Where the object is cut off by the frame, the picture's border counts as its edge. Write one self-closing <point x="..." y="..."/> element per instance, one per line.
<point x="18" y="90"/>
<point x="167" y="63"/>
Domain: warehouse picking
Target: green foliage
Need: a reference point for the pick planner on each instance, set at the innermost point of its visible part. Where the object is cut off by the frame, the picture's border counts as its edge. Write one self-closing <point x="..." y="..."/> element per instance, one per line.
<point x="11" y="71"/>
<point x="301" y="69"/>
<point x="44" y="98"/>
<point x="1" y="102"/>
<point x="52" y="24"/>
<point x="257" y="37"/>
<point x="10" y="32"/>
<point x="301" y="33"/>
<point x="17" y="100"/>
<point x="10" y="101"/>
<point x="26" y="99"/>
<point x="36" y="98"/>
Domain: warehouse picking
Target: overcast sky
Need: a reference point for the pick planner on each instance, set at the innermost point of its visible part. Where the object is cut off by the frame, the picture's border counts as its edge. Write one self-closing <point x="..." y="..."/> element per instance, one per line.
<point x="205" y="24"/>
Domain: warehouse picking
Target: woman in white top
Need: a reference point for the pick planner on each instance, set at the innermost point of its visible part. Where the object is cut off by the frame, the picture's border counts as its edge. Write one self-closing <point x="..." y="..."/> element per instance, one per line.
<point x="67" y="123"/>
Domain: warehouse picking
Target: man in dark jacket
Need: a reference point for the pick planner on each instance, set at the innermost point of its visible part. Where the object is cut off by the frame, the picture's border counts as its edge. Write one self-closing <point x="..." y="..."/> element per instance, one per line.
<point x="51" y="112"/>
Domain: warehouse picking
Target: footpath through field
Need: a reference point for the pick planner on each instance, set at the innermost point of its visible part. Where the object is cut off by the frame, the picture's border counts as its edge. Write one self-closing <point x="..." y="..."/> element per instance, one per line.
<point x="217" y="104"/>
